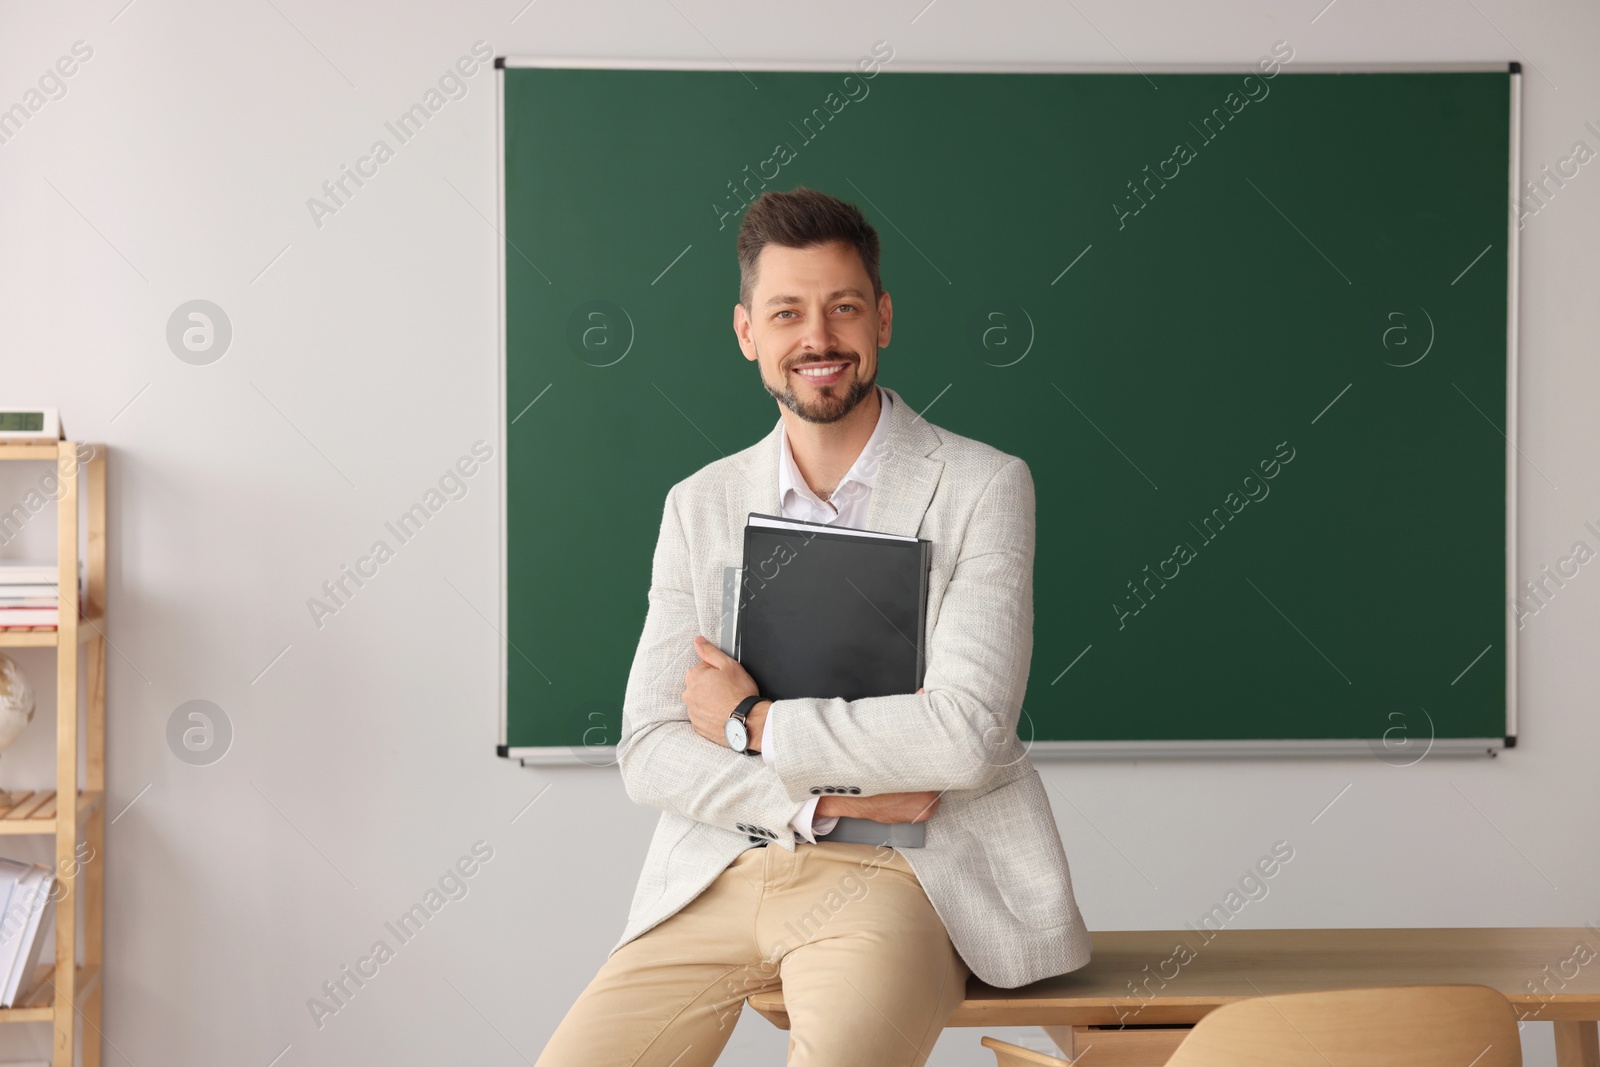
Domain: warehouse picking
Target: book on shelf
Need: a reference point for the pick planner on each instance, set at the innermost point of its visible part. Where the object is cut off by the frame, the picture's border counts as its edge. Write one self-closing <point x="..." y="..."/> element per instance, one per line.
<point x="33" y="572"/>
<point x="18" y="590"/>
<point x="30" y="902"/>
<point x="30" y="616"/>
<point x="11" y="875"/>
<point x="39" y="906"/>
<point x="29" y="594"/>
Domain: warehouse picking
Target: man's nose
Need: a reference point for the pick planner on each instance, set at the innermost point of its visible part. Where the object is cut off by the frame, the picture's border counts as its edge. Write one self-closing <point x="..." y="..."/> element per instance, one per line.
<point x="817" y="336"/>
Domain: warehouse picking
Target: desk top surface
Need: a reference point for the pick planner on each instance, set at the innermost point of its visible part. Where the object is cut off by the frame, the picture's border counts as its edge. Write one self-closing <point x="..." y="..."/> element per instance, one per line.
<point x="1177" y="976"/>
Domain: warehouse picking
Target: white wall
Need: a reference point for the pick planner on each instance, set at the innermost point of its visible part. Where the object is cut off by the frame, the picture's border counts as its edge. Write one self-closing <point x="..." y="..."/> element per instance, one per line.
<point x="177" y="166"/>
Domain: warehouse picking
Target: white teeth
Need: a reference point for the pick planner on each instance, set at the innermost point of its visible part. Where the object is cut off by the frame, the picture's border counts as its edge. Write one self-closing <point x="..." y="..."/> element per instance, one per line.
<point x="822" y="373"/>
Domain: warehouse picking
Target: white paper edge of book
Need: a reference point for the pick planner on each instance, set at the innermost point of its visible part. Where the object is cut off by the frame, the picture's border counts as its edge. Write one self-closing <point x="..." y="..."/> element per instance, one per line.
<point x="9" y="880"/>
<point x="24" y="894"/>
<point x="13" y="874"/>
<point x="39" y="879"/>
<point x="35" y="939"/>
<point x="785" y="524"/>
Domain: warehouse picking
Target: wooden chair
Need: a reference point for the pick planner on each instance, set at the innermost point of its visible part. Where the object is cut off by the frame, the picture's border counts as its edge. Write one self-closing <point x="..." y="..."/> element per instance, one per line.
<point x="1008" y="1055"/>
<point x="1396" y="1026"/>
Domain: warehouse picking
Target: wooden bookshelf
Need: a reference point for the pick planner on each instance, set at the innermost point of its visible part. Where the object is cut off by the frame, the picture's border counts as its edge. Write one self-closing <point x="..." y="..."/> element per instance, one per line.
<point x="35" y="813"/>
<point x="44" y="636"/>
<point x="59" y="992"/>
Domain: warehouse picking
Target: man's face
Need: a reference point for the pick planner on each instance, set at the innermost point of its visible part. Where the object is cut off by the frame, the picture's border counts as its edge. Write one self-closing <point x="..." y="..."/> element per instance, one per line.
<point x="812" y="309"/>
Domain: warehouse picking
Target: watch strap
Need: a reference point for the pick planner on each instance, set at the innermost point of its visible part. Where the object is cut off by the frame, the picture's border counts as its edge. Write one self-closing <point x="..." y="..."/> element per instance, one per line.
<point x="742" y="713"/>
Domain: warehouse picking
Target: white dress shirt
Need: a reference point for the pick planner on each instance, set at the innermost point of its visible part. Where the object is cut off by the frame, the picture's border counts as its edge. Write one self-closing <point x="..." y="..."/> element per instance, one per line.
<point x="846" y="507"/>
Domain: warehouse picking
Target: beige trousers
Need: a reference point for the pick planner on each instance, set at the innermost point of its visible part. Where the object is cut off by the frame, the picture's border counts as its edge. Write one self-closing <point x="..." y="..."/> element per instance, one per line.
<point x="867" y="970"/>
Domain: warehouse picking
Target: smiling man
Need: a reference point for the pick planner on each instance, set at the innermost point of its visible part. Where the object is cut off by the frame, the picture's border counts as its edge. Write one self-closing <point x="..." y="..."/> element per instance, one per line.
<point x="871" y="945"/>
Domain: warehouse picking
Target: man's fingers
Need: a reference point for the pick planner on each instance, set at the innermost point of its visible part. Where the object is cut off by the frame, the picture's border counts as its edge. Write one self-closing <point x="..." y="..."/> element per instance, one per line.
<point x="709" y="653"/>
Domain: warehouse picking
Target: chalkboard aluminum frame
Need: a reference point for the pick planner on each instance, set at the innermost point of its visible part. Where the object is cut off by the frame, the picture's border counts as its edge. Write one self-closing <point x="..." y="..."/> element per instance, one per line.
<point x="1490" y="746"/>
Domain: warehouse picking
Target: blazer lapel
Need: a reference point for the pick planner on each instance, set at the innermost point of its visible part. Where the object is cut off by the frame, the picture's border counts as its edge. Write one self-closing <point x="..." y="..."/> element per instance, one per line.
<point x="754" y="486"/>
<point x="907" y="476"/>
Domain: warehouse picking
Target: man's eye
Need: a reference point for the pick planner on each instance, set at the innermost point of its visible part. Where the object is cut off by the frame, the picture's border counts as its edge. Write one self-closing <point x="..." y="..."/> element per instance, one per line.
<point x="783" y="313"/>
<point x="852" y="307"/>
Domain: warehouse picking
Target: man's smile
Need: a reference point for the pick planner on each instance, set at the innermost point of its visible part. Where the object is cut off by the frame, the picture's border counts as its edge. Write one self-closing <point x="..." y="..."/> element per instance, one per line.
<point x="822" y="373"/>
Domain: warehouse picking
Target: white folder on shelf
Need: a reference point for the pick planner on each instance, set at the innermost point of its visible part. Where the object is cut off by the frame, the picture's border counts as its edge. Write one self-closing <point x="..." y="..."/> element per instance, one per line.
<point x="36" y="902"/>
<point x="13" y="919"/>
<point x="41" y="922"/>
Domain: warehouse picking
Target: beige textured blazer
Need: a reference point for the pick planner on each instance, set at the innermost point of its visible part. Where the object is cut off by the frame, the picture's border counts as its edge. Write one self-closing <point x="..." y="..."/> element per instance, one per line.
<point x="993" y="865"/>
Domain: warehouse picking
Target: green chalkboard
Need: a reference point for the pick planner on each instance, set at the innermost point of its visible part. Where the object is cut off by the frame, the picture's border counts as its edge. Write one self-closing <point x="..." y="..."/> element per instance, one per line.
<point x="1157" y="289"/>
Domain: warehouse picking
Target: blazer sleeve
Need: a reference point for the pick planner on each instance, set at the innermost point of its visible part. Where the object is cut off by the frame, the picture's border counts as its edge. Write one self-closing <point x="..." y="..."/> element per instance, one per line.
<point x="962" y="731"/>
<point x="665" y="764"/>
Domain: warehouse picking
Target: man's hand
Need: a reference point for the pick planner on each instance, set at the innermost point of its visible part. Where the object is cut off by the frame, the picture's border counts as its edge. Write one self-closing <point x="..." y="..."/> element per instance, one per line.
<point x="713" y="687"/>
<point x="885" y="807"/>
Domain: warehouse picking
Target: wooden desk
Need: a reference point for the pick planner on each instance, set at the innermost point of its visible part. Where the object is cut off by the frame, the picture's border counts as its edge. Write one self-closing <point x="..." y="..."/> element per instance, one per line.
<point x="1140" y="977"/>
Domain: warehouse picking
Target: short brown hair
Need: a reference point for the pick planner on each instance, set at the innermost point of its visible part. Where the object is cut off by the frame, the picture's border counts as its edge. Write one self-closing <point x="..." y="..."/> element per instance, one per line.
<point x="801" y="218"/>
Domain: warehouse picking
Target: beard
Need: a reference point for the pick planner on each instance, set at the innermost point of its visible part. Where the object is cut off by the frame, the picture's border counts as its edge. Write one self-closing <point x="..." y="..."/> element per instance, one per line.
<point x="835" y="402"/>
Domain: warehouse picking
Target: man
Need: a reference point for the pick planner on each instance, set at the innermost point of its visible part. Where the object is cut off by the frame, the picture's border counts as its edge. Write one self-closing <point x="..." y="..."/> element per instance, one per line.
<point x="871" y="945"/>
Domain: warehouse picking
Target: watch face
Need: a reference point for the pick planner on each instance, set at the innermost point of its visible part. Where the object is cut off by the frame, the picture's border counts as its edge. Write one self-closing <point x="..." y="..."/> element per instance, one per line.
<point x="738" y="737"/>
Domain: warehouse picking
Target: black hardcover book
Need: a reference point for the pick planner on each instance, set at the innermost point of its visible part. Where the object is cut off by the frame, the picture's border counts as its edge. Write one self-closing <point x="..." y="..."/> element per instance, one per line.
<point x="831" y="611"/>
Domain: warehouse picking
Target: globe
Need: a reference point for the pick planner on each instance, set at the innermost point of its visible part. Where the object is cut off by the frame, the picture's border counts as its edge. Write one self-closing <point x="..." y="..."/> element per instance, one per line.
<point x="16" y="708"/>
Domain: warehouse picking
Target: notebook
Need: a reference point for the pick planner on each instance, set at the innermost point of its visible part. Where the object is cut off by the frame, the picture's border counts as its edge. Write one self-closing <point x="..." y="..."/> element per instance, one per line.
<point x="831" y="611"/>
<point x="834" y="611"/>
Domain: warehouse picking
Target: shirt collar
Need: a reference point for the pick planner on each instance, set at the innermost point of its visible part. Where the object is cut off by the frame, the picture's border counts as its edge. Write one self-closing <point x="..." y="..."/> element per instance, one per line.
<point x="864" y="471"/>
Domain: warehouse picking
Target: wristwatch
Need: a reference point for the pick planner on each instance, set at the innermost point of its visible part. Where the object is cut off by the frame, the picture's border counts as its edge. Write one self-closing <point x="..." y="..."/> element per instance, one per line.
<point x="734" y="729"/>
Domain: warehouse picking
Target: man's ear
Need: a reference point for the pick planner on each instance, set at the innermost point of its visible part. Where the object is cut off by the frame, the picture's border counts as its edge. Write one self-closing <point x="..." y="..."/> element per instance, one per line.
<point x="885" y="319"/>
<point x="741" y="330"/>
